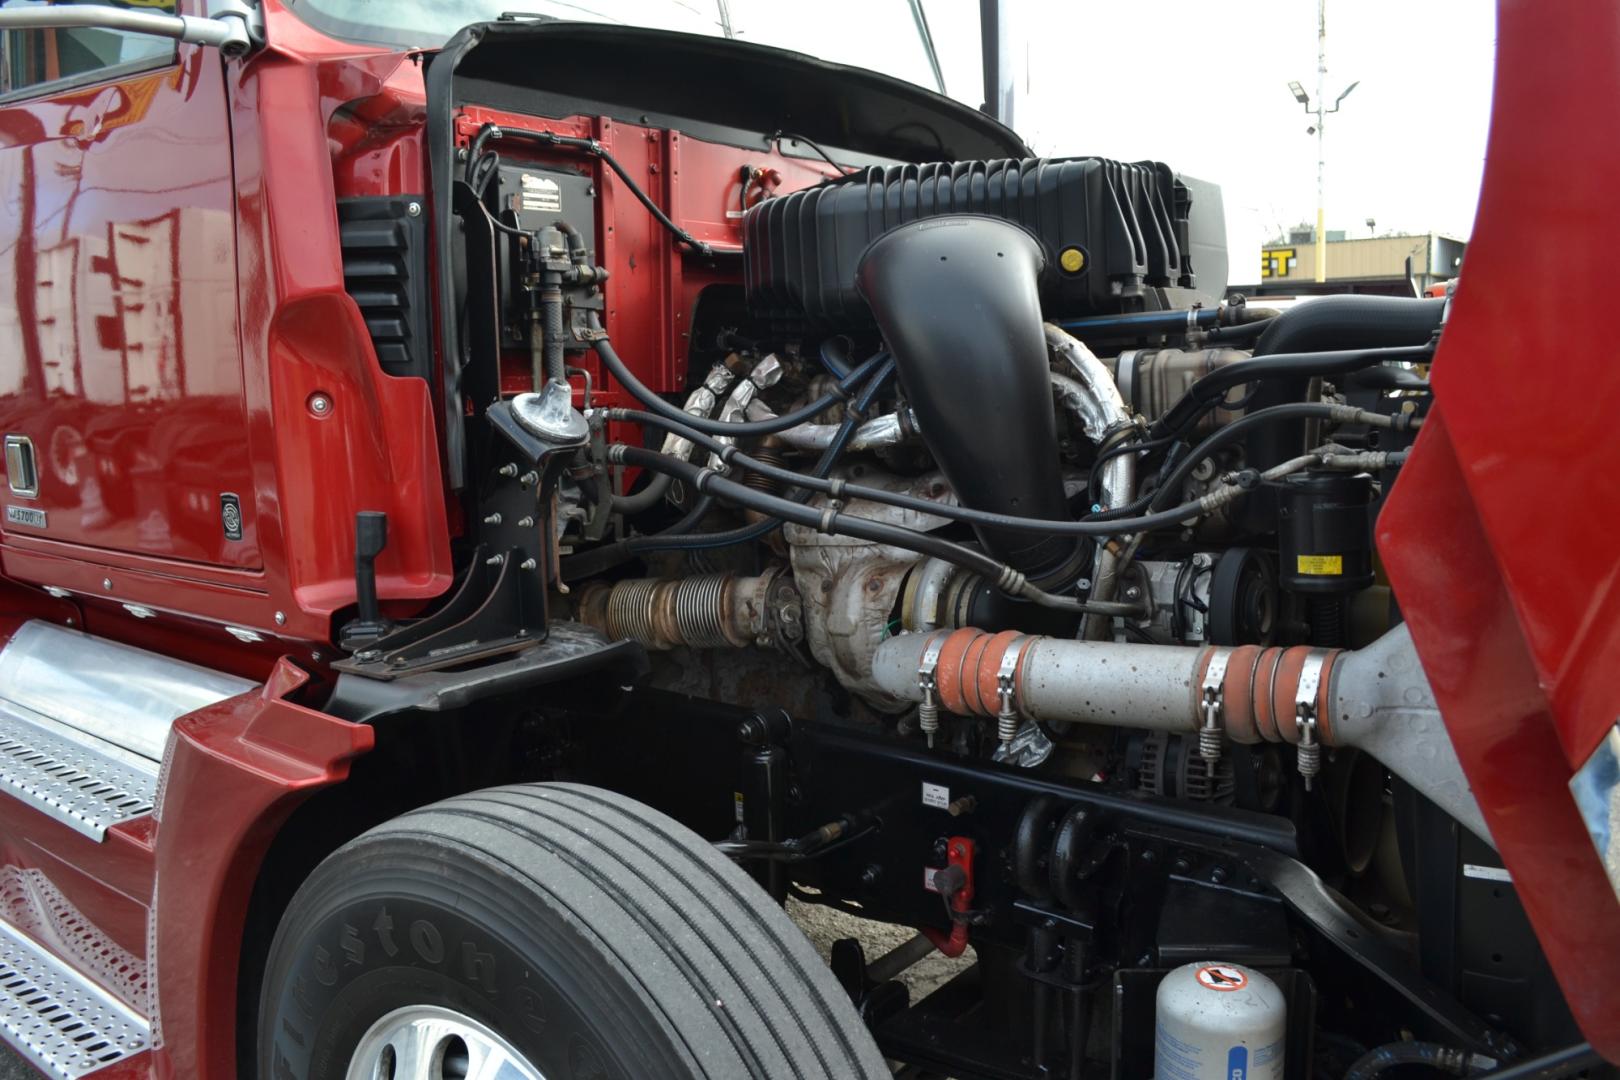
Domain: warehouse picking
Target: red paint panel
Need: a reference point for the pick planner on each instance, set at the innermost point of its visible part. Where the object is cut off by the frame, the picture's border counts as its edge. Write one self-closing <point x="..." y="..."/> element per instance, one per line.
<point x="117" y="313"/>
<point x="1501" y="536"/>
<point x="236" y="770"/>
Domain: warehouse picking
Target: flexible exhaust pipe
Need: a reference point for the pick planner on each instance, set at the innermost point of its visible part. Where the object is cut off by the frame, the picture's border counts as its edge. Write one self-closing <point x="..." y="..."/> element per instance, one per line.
<point x="1375" y="699"/>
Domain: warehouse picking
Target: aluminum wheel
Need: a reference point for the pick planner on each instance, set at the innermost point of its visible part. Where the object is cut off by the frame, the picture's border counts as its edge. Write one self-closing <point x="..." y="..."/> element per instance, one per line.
<point x="425" y="1042"/>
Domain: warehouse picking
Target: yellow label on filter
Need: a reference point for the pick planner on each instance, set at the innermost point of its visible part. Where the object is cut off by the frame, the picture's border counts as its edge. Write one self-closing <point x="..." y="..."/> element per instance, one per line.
<point x="1326" y="565"/>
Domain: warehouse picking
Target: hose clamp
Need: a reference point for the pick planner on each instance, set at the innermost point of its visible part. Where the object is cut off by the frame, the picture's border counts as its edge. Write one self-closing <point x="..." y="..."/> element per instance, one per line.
<point x="928" y="710"/>
<point x="1310" y="682"/>
<point x="1006" y="692"/>
<point x="1212" y="703"/>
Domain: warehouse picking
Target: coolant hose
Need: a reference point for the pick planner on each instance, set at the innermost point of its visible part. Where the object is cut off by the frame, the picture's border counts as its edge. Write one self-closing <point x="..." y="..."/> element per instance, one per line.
<point x="1376" y="1063"/>
<point x="1332" y="322"/>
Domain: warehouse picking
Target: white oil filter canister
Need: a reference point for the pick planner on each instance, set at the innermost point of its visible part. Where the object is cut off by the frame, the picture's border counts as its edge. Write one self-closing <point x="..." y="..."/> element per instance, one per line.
<point x="1219" y="1022"/>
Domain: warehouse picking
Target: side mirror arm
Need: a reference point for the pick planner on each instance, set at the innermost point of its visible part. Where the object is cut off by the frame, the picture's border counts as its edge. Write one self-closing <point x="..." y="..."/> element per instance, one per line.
<point x="234" y="27"/>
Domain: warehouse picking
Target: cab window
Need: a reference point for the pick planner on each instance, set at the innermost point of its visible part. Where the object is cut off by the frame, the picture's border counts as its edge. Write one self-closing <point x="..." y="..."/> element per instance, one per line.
<point x="41" y="58"/>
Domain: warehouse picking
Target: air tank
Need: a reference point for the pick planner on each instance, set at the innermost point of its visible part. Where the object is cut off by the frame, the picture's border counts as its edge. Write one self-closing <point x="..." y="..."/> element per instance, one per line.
<point x="1217" y="1021"/>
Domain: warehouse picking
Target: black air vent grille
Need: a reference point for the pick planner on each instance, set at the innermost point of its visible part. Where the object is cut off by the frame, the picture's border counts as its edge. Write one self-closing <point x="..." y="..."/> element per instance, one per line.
<point x="385" y="271"/>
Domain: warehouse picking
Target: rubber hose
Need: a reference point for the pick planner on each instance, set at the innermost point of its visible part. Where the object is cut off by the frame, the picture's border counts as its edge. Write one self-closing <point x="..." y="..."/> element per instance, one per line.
<point x="831" y="521"/>
<point x="639" y="390"/>
<point x="648" y="497"/>
<point x="824" y="465"/>
<point x="1377" y="1062"/>
<point x="677" y="538"/>
<point x="1331" y="322"/>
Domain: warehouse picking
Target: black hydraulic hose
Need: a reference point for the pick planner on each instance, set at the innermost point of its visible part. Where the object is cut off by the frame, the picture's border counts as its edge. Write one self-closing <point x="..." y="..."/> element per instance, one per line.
<point x="834" y="353"/>
<point x="1208" y="392"/>
<point x="800" y="493"/>
<point x="679" y="536"/>
<point x="828" y="520"/>
<point x="1238" y="335"/>
<point x="640" y="391"/>
<point x="601" y="560"/>
<point x="1172" y="484"/>
<point x="1548" y="1066"/>
<point x="1332" y="322"/>
<point x="1097" y="525"/>
<point x="648" y="497"/>
<point x="591" y="146"/>
<point x="551" y="310"/>
<point x="1376" y="1063"/>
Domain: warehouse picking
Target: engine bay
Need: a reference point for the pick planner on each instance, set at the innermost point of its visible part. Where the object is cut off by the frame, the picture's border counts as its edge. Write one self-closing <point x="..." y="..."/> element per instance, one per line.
<point x="966" y="477"/>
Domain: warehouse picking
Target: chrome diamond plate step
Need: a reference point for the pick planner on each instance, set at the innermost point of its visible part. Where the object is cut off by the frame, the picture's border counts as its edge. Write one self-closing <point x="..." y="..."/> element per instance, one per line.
<point x="57" y="1019"/>
<point x="67" y="779"/>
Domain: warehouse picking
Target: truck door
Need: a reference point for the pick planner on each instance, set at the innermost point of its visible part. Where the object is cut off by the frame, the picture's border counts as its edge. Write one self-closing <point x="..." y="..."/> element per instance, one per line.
<point x="121" y="392"/>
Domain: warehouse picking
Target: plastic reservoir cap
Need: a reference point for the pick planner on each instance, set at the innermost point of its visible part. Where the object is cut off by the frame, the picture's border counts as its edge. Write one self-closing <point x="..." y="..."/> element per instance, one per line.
<point x="1219" y="1021"/>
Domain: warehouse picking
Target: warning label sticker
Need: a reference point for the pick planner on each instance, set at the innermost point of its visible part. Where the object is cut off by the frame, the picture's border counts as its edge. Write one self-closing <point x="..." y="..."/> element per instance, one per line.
<point x="1222" y="977"/>
<point x="1328" y="565"/>
<point x="937" y="796"/>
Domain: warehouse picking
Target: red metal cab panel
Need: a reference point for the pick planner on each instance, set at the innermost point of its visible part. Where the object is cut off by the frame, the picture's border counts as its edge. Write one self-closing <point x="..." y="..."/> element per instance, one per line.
<point x="120" y="360"/>
<point x="1501" y="536"/>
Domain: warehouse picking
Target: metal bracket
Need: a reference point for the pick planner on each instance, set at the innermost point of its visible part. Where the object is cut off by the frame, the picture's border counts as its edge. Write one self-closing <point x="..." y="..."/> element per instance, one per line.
<point x="1213" y="694"/>
<point x="1309" y="750"/>
<point x="928" y="710"/>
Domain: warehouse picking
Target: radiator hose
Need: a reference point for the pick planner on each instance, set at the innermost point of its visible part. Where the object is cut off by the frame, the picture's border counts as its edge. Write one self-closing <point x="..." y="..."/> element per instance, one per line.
<point x="1332" y="322"/>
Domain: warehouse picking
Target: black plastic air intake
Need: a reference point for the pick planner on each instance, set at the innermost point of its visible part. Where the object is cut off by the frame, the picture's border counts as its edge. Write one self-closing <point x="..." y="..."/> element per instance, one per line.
<point x="1111" y="232"/>
<point x="958" y="301"/>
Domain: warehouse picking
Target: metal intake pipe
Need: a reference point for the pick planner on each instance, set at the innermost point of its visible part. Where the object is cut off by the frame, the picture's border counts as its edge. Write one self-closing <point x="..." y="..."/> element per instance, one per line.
<point x="1374" y="699"/>
<point x="957" y="300"/>
<point x="1094" y="399"/>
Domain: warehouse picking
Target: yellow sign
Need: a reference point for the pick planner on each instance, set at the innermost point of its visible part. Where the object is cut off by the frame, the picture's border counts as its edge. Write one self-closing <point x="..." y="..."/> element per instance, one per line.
<point x="1276" y="262"/>
<point x="1326" y="565"/>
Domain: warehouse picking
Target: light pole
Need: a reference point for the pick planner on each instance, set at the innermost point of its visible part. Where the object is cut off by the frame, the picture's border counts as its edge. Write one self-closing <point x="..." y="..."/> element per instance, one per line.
<point x="1319" y="129"/>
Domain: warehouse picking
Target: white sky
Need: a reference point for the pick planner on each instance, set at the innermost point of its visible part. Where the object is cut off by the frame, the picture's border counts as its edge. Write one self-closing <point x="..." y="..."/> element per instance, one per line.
<point x="1203" y="85"/>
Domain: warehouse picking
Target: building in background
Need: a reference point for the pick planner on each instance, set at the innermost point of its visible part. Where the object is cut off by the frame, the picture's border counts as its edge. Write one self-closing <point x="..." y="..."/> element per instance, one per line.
<point x="1387" y="265"/>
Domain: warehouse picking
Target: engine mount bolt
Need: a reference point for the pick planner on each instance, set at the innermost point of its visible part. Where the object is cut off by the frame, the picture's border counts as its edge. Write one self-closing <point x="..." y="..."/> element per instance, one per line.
<point x="525" y="522"/>
<point x="529" y="479"/>
<point x="527" y="564"/>
<point x="495" y="560"/>
<point x="492" y="519"/>
<point x="509" y="469"/>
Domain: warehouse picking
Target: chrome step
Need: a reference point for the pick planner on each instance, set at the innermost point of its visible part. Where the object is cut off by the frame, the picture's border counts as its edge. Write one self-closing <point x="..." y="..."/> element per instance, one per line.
<point x="58" y="1020"/>
<point x="64" y="776"/>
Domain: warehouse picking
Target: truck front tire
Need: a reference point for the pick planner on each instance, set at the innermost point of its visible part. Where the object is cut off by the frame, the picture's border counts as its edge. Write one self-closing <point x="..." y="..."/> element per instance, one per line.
<point x="581" y="934"/>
